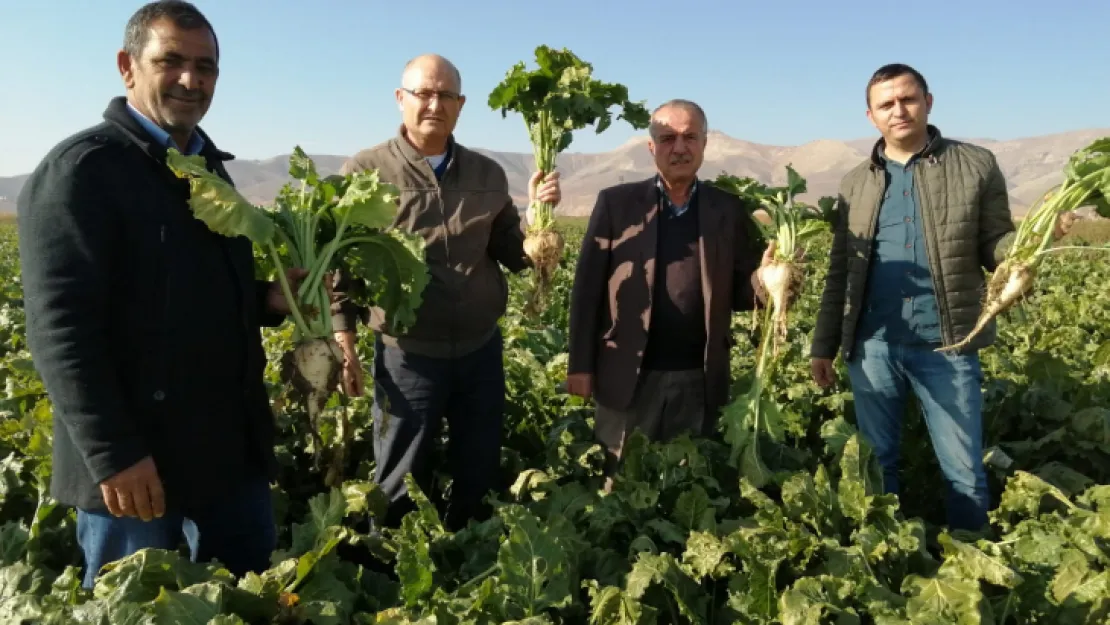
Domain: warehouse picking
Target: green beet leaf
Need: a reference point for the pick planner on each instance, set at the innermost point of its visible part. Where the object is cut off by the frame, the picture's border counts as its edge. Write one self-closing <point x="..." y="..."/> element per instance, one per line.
<point x="367" y="201"/>
<point x="558" y="97"/>
<point x="391" y="263"/>
<point x="218" y="204"/>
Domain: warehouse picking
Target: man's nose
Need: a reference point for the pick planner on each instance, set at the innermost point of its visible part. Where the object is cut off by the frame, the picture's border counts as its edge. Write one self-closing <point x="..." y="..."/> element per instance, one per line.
<point x="188" y="79"/>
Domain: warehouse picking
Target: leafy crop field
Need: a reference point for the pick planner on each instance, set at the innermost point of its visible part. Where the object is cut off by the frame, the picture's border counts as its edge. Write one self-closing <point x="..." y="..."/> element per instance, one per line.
<point x="684" y="537"/>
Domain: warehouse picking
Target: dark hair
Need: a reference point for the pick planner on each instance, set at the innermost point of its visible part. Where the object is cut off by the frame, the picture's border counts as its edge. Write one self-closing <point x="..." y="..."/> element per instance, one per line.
<point x="689" y="105"/>
<point x="892" y="71"/>
<point x="183" y="15"/>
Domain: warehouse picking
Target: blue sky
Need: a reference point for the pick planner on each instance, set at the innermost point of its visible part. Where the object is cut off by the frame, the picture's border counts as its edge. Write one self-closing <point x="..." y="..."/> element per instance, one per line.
<point x="783" y="72"/>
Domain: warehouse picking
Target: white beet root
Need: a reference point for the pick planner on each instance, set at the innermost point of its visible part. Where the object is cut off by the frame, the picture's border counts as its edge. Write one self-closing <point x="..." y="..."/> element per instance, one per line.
<point x="782" y="280"/>
<point x="545" y="248"/>
<point x="313" y="369"/>
<point x="1010" y="282"/>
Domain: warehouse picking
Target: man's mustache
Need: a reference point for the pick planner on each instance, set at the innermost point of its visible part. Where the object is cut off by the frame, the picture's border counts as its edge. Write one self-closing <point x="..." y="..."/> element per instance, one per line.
<point x="180" y="93"/>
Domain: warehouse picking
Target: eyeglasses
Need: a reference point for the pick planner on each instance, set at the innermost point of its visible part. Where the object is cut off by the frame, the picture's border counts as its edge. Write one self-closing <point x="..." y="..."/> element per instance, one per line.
<point x="427" y="94"/>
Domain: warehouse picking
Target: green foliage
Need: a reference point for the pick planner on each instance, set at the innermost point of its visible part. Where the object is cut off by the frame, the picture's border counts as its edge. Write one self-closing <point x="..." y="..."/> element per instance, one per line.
<point x="318" y="225"/>
<point x="1086" y="182"/>
<point x="683" y="537"/>
<point x="218" y="204"/>
<point x="558" y="97"/>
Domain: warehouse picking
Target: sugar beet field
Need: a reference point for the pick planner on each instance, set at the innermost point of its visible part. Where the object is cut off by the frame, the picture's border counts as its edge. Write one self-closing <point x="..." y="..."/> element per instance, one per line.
<point x="686" y="536"/>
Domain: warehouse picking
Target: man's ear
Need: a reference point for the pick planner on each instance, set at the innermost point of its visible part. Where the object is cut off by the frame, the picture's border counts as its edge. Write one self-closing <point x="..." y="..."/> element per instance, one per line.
<point x="126" y="67"/>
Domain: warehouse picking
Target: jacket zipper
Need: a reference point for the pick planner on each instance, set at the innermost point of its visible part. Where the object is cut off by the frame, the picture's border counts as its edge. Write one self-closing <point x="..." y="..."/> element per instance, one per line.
<point x="451" y="329"/>
<point x="934" y="269"/>
<point x="878" y="206"/>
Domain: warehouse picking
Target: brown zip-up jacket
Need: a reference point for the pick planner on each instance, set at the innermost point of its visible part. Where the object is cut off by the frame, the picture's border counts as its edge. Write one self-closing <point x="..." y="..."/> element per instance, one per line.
<point x="965" y="209"/>
<point x="469" y="224"/>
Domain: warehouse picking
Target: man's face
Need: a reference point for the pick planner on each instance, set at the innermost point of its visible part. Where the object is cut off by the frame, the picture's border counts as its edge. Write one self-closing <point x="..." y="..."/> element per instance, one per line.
<point x="899" y="109"/>
<point x="430" y="100"/>
<point x="174" y="78"/>
<point x="677" y="143"/>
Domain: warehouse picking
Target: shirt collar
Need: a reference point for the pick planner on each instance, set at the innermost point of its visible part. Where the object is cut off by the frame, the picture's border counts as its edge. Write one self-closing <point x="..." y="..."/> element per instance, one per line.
<point x="670" y="206"/>
<point x="196" y="142"/>
<point x="881" y="152"/>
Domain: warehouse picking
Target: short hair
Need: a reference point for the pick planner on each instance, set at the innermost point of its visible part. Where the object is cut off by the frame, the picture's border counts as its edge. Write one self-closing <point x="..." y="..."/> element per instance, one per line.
<point x="689" y="105"/>
<point x="183" y="15"/>
<point x="441" y="59"/>
<point x="891" y="71"/>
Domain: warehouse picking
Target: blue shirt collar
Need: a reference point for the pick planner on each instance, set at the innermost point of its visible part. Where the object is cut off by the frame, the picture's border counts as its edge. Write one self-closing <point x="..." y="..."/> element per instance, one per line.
<point x="196" y="142"/>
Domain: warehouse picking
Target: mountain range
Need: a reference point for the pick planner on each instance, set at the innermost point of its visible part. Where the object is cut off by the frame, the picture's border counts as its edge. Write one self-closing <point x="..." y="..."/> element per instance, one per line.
<point x="1031" y="166"/>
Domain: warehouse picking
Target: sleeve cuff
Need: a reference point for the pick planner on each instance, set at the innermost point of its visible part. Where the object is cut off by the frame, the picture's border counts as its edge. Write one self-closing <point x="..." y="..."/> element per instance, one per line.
<point x="111" y="458"/>
<point x="822" y="351"/>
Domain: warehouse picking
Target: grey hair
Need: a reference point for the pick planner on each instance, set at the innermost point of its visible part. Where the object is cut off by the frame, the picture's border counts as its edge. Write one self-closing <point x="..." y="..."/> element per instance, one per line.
<point x="689" y="105"/>
<point x="183" y="15"/>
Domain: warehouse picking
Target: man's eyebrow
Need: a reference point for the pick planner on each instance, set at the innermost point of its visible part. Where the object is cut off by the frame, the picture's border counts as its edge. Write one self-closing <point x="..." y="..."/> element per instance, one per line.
<point x="177" y="56"/>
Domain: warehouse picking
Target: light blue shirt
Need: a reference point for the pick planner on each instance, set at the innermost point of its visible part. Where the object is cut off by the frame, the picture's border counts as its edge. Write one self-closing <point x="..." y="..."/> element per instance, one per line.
<point x="196" y="143"/>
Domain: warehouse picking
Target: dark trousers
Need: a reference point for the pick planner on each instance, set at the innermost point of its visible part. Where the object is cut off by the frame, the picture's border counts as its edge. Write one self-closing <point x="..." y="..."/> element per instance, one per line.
<point x="237" y="530"/>
<point x="666" y="405"/>
<point x="413" y="394"/>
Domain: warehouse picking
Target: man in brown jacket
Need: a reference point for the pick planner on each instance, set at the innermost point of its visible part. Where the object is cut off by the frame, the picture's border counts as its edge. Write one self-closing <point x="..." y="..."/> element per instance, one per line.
<point x="664" y="263"/>
<point x="449" y="363"/>
<point x="920" y="220"/>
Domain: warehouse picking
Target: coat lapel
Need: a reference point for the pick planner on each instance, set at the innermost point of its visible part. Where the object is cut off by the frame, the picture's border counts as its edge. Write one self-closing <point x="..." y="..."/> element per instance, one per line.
<point x="711" y="221"/>
<point x="649" y="241"/>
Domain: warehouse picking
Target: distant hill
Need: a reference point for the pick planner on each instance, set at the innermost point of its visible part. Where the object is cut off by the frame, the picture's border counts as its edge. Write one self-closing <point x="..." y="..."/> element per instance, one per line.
<point x="1031" y="166"/>
<point x="9" y="189"/>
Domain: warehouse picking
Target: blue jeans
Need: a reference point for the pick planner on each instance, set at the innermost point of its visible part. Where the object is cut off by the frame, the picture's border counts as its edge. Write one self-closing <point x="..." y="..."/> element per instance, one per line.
<point x="237" y="530"/>
<point x="413" y="396"/>
<point x="949" y="392"/>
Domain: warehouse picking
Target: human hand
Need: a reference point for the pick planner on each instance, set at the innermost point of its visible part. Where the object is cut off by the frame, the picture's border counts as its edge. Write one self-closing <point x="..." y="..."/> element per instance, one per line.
<point x="135" y="491"/>
<point x="822" y="370"/>
<point x="580" y="384"/>
<point x="757" y="275"/>
<point x="275" y="297"/>
<point x="1064" y="222"/>
<point x="548" y="191"/>
<point x="352" y="368"/>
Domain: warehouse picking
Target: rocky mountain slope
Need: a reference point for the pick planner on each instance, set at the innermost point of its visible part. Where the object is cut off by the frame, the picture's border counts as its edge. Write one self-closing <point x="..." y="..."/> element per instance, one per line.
<point x="1031" y="166"/>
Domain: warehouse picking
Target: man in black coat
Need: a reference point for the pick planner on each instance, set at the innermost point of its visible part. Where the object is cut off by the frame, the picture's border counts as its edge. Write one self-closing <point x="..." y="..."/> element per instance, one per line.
<point x="144" y="324"/>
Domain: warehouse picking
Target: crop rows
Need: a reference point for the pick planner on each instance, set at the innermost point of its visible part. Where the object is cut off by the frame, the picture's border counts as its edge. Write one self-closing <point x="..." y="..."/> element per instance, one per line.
<point x="683" y="537"/>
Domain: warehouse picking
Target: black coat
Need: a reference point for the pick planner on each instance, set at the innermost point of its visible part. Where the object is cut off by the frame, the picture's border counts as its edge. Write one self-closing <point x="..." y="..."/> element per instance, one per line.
<point x="143" y="324"/>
